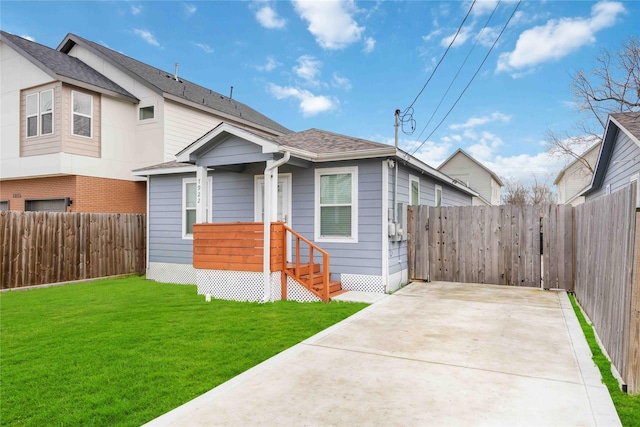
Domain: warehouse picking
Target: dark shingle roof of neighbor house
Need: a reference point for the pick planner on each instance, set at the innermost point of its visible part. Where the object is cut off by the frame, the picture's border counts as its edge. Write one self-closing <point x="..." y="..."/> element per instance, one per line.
<point x="164" y="82"/>
<point x="323" y="142"/>
<point x="59" y="65"/>
<point x="629" y="123"/>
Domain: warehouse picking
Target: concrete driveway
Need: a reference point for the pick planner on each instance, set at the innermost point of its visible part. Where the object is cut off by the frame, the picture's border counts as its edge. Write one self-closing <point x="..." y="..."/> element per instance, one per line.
<point x="432" y="354"/>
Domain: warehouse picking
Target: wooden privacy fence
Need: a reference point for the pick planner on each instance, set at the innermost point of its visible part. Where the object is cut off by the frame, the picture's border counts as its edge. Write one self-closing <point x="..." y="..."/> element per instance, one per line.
<point x="492" y="244"/>
<point x="50" y="247"/>
<point x="607" y="279"/>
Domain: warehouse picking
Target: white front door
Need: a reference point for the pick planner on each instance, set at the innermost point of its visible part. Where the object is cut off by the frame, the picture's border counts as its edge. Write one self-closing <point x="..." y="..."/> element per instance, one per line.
<point x="284" y="203"/>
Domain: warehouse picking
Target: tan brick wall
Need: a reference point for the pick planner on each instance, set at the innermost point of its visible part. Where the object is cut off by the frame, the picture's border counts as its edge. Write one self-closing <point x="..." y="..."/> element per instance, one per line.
<point x="56" y="187"/>
<point x="88" y="194"/>
<point x="110" y="195"/>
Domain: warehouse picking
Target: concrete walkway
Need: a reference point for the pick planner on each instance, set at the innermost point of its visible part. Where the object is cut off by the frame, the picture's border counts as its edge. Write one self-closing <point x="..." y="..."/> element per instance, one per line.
<point x="432" y="354"/>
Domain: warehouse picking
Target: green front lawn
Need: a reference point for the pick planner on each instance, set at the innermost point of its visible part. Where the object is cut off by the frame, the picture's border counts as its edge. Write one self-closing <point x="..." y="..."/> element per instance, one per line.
<point x="628" y="406"/>
<point x="124" y="351"/>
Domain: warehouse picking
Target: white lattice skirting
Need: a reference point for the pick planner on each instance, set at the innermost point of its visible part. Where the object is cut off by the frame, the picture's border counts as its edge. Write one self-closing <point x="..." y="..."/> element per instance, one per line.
<point x="362" y="283"/>
<point x="183" y="274"/>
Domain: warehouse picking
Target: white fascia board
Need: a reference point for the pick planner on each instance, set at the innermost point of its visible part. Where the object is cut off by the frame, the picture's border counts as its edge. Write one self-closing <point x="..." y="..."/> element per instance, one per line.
<point x="267" y="146"/>
<point x="622" y="128"/>
<point x="220" y="113"/>
<point x="435" y="173"/>
<point x="165" y="171"/>
<point x="345" y="155"/>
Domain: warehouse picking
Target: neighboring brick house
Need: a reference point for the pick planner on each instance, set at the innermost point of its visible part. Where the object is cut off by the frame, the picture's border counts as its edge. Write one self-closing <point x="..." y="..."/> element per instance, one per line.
<point x="576" y="177"/>
<point x="78" y="119"/>
<point x="470" y="172"/>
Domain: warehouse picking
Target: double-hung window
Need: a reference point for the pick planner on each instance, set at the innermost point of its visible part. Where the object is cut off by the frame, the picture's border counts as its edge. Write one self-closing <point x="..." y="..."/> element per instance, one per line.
<point x="39" y="113"/>
<point x="82" y="114"/>
<point x="414" y="190"/>
<point x="336" y="204"/>
<point x="189" y="204"/>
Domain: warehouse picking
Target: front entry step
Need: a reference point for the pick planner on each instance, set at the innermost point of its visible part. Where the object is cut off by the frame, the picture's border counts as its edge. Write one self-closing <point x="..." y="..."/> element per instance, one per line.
<point x="335" y="287"/>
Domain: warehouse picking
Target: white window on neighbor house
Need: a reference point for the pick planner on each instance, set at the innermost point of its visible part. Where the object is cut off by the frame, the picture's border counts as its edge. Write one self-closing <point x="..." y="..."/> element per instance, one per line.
<point x="39" y="113"/>
<point x="81" y="114"/>
<point x="414" y="190"/>
<point x="147" y="113"/>
<point x="189" y="204"/>
<point x="336" y="204"/>
<point x="438" y="196"/>
<point x="636" y="178"/>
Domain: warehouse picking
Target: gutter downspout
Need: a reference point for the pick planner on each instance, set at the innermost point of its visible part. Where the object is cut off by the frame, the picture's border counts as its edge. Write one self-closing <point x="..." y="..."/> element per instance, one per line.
<point x="395" y="179"/>
<point x="268" y="187"/>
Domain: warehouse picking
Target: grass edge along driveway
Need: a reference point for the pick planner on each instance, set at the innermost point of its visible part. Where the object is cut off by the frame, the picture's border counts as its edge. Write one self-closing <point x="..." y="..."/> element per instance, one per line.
<point x="125" y="351"/>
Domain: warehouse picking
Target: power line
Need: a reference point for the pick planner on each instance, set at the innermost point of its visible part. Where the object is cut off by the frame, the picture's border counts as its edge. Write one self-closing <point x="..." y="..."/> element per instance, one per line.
<point x="460" y="68"/>
<point x="409" y="108"/>
<point x="470" y="81"/>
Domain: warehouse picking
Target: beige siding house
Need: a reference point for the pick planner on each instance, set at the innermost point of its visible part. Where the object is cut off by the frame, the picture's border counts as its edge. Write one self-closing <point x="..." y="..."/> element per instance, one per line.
<point x="84" y="112"/>
<point x="576" y="177"/>
<point x="470" y="172"/>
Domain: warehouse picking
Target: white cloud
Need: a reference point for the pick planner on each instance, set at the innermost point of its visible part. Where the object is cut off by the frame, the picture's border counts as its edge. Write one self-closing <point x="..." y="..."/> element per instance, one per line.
<point x="330" y="21"/>
<point x="205" y="47"/>
<point x="190" y="9"/>
<point x="488" y="36"/>
<point x="482" y="7"/>
<point x="268" y="18"/>
<point x="432" y="34"/>
<point x="310" y="104"/>
<point x="147" y="36"/>
<point x="462" y="37"/>
<point x="369" y="44"/>
<point x="340" y="82"/>
<point x="270" y="65"/>
<point x="523" y="167"/>
<point x="26" y="37"/>
<point x="558" y="38"/>
<point x="431" y="152"/>
<point x="308" y="68"/>
<point x="136" y="9"/>
<point x="478" y="121"/>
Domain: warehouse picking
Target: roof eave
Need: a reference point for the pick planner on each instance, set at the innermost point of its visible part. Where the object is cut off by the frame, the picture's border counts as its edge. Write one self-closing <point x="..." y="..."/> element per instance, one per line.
<point x="30" y="57"/>
<point x="95" y="88"/>
<point x="164" y="171"/>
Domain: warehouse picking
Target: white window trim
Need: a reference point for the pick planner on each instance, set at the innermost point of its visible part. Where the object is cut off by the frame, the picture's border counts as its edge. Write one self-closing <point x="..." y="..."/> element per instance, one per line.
<point x="90" y="116"/>
<point x="40" y="113"/>
<point x="412" y="179"/>
<point x="36" y="115"/>
<point x="155" y="113"/>
<point x="435" y="196"/>
<point x="353" y="170"/>
<point x="183" y="205"/>
<point x="636" y="177"/>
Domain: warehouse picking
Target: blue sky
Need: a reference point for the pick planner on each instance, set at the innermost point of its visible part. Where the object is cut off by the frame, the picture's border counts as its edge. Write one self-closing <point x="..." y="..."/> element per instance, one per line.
<point x="346" y="66"/>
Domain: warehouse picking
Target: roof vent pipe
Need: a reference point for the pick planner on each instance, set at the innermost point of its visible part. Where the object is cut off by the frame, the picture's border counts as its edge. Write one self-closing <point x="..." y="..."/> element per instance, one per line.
<point x="231" y="93"/>
<point x="175" y="75"/>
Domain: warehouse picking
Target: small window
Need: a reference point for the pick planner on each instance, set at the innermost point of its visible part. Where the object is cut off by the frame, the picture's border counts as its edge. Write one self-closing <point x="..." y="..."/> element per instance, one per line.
<point x="32" y="114"/>
<point x="46" y="112"/>
<point x="4" y="205"/>
<point x="146" y="113"/>
<point x="608" y="188"/>
<point x="438" y="199"/>
<point x="190" y="203"/>
<point x="82" y="112"/>
<point x="414" y="189"/>
<point x="336" y="212"/>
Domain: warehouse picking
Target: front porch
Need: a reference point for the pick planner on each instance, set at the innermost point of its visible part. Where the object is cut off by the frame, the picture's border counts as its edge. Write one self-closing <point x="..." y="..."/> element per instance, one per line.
<point x="233" y="261"/>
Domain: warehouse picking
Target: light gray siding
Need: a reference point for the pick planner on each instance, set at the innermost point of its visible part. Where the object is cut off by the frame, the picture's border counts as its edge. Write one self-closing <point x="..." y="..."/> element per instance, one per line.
<point x="623" y="164"/>
<point x="165" y="221"/>
<point x="233" y="151"/>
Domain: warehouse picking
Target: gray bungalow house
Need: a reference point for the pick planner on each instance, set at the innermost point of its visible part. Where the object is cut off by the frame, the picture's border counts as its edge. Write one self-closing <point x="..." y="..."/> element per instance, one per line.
<point x="619" y="160"/>
<point x="319" y="213"/>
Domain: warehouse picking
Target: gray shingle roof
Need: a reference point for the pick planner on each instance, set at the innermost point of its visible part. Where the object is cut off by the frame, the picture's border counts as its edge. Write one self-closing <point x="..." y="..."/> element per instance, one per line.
<point x="165" y="83"/>
<point x="58" y="64"/>
<point x="323" y="142"/>
<point x="630" y="121"/>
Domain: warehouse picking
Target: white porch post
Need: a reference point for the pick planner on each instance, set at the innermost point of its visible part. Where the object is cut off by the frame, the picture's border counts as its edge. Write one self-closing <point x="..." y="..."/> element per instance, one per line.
<point x="267" y="216"/>
<point x="202" y="194"/>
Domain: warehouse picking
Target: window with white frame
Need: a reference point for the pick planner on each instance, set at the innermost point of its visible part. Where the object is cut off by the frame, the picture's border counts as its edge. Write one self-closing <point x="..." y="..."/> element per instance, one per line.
<point x="39" y="113"/>
<point x="438" y="198"/>
<point x="82" y="114"/>
<point x="146" y="113"/>
<point x="189" y="205"/>
<point x="336" y="204"/>
<point x="414" y="190"/>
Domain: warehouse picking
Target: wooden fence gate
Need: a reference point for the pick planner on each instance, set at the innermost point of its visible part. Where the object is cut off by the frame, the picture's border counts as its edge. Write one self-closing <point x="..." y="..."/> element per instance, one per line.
<point x="503" y="245"/>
